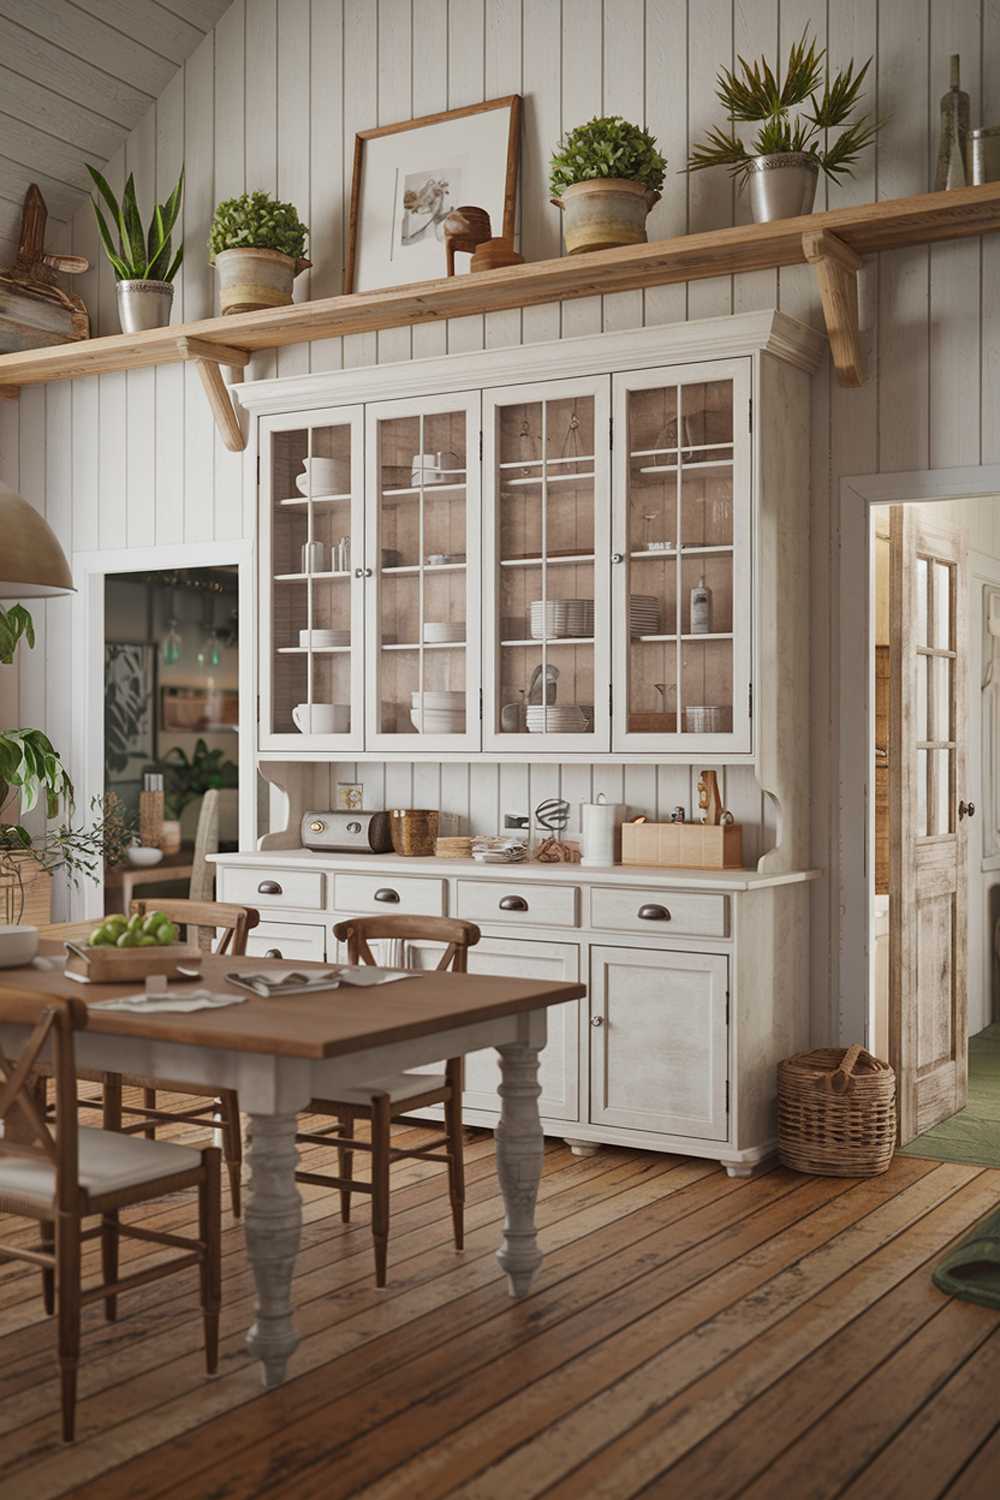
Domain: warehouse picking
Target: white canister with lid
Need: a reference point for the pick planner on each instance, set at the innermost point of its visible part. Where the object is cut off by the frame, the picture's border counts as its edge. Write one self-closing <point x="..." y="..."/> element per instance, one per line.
<point x="601" y="824"/>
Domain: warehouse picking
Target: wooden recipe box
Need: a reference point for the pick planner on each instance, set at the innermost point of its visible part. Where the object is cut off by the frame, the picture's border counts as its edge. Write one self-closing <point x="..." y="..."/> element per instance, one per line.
<point x="700" y="846"/>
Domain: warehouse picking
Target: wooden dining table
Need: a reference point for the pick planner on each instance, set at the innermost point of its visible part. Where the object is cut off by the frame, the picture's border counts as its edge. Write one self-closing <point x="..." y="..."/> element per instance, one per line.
<point x="280" y="1053"/>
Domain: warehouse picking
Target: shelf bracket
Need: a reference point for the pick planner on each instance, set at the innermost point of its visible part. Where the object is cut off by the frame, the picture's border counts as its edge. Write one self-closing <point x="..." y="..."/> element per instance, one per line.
<point x="208" y="360"/>
<point x="837" y="267"/>
<point x="9" y="392"/>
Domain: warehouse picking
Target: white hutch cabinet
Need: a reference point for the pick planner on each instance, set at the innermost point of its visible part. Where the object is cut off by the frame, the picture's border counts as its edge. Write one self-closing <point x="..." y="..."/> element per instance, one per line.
<point x="590" y="551"/>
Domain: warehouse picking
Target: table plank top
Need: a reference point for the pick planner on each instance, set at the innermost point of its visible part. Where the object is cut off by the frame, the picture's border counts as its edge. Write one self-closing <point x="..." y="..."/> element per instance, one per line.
<point x="332" y="1023"/>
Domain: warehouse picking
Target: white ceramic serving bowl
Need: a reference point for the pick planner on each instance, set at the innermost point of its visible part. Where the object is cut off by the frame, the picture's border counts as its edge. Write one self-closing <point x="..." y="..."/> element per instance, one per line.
<point x="324" y="476"/>
<point x="438" y="700"/>
<point x="437" y="721"/>
<point x="142" y="856"/>
<point x="18" y="945"/>
<point x="318" y="638"/>
<point x="322" y="718"/>
<point x="438" y="631"/>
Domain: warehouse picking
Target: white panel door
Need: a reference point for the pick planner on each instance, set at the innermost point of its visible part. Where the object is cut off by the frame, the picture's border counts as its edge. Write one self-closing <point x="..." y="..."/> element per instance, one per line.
<point x="659" y="1041"/>
<point x="311" y="618"/>
<point x="546" y="586"/>
<point x="559" y="1063"/>
<point x="423" y="567"/>
<point x="681" y="564"/>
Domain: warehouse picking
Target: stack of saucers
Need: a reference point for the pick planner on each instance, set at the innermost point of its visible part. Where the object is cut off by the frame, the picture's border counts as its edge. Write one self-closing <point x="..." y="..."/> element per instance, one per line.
<point x="553" y="619"/>
<point x="643" y="614"/>
<point x="555" y="718"/>
<point x="437" y="712"/>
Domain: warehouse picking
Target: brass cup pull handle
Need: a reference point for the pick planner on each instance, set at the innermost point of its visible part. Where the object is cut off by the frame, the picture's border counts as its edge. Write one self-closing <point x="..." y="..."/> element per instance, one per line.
<point x="386" y="893"/>
<point x="966" y="810"/>
<point x="513" y="903"/>
<point x="653" y="913"/>
<point x="273" y="953"/>
<point x="269" y="888"/>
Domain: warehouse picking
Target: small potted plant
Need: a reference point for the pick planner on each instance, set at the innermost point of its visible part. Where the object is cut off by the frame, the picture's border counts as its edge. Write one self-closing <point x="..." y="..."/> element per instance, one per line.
<point x="605" y="176"/>
<point x="786" y="156"/>
<point x="256" y="246"/>
<point x="142" y="261"/>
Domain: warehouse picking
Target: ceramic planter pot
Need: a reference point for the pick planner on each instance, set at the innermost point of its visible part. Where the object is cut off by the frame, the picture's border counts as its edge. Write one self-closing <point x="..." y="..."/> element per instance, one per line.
<point x="252" y="279"/>
<point x="143" y="304"/>
<point x="604" y="212"/>
<point x="782" y="186"/>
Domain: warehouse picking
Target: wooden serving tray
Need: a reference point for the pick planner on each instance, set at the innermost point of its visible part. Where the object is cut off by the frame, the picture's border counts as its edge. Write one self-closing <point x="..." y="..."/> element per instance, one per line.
<point x="127" y="965"/>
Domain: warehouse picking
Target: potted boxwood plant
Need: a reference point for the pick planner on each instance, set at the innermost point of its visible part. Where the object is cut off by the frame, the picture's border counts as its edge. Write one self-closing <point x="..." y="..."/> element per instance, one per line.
<point x="785" y="158"/>
<point x="142" y="262"/>
<point x="605" y="176"/>
<point x="257" y="247"/>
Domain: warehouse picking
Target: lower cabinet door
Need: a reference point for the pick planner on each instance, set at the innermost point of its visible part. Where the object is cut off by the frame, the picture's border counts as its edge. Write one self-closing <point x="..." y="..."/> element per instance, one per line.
<point x="559" y="1063"/>
<point x="288" y="940"/>
<point x="659" y="1041"/>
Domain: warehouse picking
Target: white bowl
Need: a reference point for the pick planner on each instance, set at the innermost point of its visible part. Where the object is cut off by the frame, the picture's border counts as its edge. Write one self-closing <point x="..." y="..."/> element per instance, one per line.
<point x="439" y="700"/>
<point x="143" y="857"/>
<point x="18" y="945"/>
<point x="443" y="631"/>
<point x="437" y="722"/>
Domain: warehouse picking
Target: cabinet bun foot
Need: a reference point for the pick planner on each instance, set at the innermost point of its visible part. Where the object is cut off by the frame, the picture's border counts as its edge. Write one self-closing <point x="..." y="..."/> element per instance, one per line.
<point x="582" y="1148"/>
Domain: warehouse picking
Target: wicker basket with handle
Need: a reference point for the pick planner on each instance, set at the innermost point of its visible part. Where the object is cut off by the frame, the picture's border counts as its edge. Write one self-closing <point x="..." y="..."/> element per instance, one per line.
<point x="836" y="1112"/>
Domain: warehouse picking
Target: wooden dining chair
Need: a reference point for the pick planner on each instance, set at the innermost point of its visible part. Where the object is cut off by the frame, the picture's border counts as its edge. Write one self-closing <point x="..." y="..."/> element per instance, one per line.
<point x="384" y="1101"/>
<point x="223" y="1111"/>
<point x="61" y="1177"/>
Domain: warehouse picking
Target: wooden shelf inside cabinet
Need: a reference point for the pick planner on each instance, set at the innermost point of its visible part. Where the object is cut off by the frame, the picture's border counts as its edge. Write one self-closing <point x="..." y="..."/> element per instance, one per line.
<point x="832" y="242"/>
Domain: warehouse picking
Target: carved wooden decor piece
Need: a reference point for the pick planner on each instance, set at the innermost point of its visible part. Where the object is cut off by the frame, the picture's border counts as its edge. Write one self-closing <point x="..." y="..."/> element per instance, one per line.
<point x="34" y="311"/>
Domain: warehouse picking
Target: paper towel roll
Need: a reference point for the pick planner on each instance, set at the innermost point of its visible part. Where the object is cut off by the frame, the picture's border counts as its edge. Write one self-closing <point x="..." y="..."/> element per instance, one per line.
<point x="601" y="823"/>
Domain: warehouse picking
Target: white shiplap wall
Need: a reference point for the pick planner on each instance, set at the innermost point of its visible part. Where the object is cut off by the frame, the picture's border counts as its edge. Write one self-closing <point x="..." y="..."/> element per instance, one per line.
<point x="273" y="98"/>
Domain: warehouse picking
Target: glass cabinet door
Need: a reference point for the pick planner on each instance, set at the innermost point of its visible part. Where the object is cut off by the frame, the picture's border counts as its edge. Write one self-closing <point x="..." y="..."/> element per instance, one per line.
<point x="423" y="553"/>
<point x="312" y="615"/>
<point x="546" y="655"/>
<point x="681" y="575"/>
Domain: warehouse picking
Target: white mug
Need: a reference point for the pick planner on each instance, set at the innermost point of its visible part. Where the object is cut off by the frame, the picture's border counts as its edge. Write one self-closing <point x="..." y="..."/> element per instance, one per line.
<point x="322" y="718"/>
<point x="425" y="469"/>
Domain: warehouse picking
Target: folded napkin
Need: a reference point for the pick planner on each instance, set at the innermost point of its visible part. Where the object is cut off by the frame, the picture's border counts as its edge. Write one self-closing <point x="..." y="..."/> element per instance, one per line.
<point x="274" y="982"/>
<point x="150" y="1004"/>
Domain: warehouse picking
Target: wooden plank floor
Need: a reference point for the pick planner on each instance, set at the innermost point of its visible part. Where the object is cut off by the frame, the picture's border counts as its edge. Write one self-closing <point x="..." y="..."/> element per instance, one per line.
<point x="689" y="1336"/>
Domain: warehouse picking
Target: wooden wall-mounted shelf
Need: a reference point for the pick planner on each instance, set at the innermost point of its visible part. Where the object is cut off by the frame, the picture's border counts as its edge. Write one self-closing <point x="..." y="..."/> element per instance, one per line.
<point x="832" y="242"/>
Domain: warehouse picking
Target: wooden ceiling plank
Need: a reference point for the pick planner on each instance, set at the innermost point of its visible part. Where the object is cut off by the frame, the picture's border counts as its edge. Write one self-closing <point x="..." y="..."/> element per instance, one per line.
<point x="61" y="200"/>
<point x="37" y="151"/>
<point x="205" y="14"/>
<point x="87" y="38"/>
<point x="46" y="109"/>
<point x="51" y="66"/>
<point x="148" y="23"/>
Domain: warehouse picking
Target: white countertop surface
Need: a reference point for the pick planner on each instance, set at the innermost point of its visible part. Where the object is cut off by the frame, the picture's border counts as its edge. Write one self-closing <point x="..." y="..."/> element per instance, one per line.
<point x="641" y="875"/>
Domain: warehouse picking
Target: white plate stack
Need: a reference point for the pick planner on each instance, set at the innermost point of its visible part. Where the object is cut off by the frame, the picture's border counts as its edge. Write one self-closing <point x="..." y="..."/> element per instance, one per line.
<point x="324" y="639"/>
<point x="438" y="632"/>
<point x="556" y="718"/>
<point x="437" y="712"/>
<point x="558" y="619"/>
<point x="643" y="614"/>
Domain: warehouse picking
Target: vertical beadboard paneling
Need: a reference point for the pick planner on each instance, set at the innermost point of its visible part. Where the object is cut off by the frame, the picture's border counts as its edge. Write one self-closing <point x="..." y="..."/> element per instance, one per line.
<point x="230" y="180"/>
<point x="199" y="285"/>
<point x="797" y="284"/>
<point x="466" y="85"/>
<point x="430" y="96"/>
<point x="624" y="94"/>
<point x="395" y="102"/>
<point x="989" y="401"/>
<point x="666" y="117"/>
<point x="503" y="43"/>
<point x="582" y="98"/>
<point x="755" y="34"/>
<point x="327" y="217"/>
<point x="710" y="194"/>
<point x="140" y="448"/>
<point x="540" y="228"/>
<point x="261" y="119"/>
<point x="360" y="90"/>
<point x="294" y="161"/>
<point x="169" y="381"/>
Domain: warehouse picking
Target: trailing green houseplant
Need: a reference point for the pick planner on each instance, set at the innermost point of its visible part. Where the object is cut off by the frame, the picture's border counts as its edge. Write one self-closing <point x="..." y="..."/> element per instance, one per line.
<point x="257" y="246"/>
<point x="143" y="261"/>
<point x="606" y="175"/>
<point x="794" y="115"/>
<point x="81" y="851"/>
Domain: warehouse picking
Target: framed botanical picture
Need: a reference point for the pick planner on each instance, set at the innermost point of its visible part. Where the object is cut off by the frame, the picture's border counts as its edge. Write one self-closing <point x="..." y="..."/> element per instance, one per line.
<point x="409" y="177"/>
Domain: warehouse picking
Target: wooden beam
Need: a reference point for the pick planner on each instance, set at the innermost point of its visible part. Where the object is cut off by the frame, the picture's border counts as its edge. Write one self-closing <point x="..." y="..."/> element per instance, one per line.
<point x="837" y="269"/>
<point x="189" y="347"/>
<point x="221" y="403"/>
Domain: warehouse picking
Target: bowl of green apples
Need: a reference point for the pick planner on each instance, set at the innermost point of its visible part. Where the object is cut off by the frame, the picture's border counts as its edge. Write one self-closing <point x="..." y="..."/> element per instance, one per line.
<point x="122" y="948"/>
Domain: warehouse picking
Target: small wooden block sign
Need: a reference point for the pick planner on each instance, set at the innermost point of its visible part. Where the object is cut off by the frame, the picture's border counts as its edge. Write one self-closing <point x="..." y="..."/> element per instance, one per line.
<point x="698" y="846"/>
<point x="127" y="965"/>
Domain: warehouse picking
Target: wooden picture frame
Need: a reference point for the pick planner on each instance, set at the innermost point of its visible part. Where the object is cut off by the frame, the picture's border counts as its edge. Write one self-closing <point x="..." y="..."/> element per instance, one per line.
<point x="500" y="202"/>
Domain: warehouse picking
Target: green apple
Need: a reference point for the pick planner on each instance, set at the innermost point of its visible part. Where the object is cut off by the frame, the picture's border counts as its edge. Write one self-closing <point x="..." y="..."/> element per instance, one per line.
<point x="145" y="940"/>
<point x="100" y="938"/>
<point x="116" y="919"/>
<point x="127" y="940"/>
<point x="134" y="923"/>
<point x="154" y="920"/>
<point x="165" y="934"/>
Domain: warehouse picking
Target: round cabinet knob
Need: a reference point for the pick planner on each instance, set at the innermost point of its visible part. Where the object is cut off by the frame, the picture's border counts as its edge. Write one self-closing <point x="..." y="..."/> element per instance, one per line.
<point x="359" y="572"/>
<point x="316" y="826"/>
<point x="354" y="827"/>
<point x="273" y="953"/>
<point x="368" y="572"/>
<point x="617" y="557"/>
<point x="652" y="913"/>
<point x="386" y="893"/>
<point x="513" y="903"/>
<point x="597" y="1020"/>
<point x="269" y="888"/>
<point x="966" y="810"/>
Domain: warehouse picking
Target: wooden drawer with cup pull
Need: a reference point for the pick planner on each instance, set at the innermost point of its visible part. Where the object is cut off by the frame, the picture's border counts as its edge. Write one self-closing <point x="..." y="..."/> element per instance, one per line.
<point x="535" y="904"/>
<point x="412" y="895"/>
<point x="659" y="912"/>
<point x="260" y="888"/>
<point x="296" y="941"/>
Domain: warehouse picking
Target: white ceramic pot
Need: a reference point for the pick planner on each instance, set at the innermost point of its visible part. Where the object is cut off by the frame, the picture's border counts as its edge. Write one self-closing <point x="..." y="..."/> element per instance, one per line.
<point x="604" y="212"/>
<point x="782" y="186"/>
<point x="252" y="279"/>
<point x="143" y="304"/>
<point x="18" y="945"/>
<point x="322" y="718"/>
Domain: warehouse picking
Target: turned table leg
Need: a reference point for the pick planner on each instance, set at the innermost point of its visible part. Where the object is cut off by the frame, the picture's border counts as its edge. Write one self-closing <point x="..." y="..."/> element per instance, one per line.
<point x="273" y="1219"/>
<point x="520" y="1149"/>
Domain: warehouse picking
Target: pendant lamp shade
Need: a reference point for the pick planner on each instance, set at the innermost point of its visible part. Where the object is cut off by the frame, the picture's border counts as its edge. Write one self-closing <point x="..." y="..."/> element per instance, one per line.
<point x="32" y="563"/>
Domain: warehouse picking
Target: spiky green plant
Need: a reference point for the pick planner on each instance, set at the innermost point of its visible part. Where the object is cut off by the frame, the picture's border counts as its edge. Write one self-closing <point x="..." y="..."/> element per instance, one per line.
<point x="140" y="255"/>
<point x="755" y="94"/>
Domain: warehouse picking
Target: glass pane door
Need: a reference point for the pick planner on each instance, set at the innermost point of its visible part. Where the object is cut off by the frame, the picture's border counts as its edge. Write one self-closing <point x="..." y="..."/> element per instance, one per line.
<point x="313" y="628"/>
<point x="423" y="632"/>
<point x="546" y="667"/>
<point x="685" y="532"/>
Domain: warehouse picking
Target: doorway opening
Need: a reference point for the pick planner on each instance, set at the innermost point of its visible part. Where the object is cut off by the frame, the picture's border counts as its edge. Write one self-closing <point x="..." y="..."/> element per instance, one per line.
<point x="934" y="886"/>
<point x="171" y="725"/>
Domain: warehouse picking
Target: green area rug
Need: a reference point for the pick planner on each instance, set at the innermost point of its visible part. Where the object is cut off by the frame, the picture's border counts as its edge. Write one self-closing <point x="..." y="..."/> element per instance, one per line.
<point x="973" y="1135"/>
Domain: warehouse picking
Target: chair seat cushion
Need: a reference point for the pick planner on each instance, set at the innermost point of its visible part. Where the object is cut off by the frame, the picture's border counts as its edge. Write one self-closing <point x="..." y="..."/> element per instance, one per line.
<point x="109" y="1162"/>
<point x="398" y="1086"/>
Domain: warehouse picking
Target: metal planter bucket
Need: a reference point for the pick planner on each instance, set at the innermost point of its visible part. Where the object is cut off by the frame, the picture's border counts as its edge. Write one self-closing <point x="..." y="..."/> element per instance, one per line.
<point x="253" y="279"/>
<point x="782" y="186"/>
<point x="143" y="304"/>
<point x="604" y="212"/>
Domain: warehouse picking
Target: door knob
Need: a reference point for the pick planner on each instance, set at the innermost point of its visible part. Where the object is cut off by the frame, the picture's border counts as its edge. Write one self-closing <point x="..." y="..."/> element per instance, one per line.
<point x="617" y="557"/>
<point x="966" y="810"/>
<point x="597" y="1020"/>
